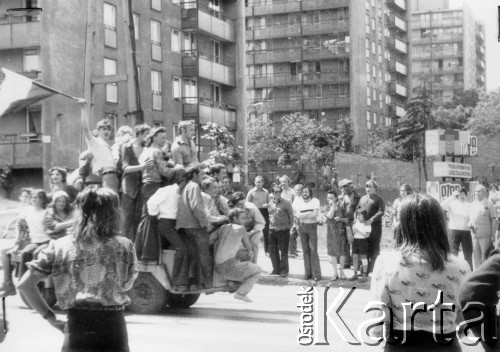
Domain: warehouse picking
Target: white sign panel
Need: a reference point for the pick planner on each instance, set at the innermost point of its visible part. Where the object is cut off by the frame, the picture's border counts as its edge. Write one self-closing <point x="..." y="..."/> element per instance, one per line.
<point x="448" y="169"/>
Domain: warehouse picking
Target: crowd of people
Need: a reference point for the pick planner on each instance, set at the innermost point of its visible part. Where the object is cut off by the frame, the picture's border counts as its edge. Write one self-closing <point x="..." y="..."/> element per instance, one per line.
<point x="168" y="199"/>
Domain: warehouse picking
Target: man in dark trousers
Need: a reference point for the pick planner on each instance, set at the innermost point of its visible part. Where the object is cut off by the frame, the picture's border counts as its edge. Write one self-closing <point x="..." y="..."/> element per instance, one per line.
<point x="375" y="207"/>
<point x="281" y="221"/>
<point x="482" y="288"/>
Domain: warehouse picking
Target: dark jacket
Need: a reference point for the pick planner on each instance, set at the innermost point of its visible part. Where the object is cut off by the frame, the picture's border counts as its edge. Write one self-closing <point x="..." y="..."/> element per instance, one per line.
<point x="483" y="286"/>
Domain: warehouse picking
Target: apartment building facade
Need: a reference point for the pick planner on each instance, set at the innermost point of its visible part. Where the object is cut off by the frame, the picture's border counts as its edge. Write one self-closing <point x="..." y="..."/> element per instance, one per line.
<point x="448" y="49"/>
<point x="329" y="59"/>
<point x="187" y="64"/>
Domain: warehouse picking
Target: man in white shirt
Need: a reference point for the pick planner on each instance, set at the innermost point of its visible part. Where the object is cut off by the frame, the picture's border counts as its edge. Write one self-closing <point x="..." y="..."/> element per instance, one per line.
<point x="306" y="210"/>
<point x="103" y="163"/>
<point x="288" y="193"/>
<point x="163" y="204"/>
<point x="292" y="245"/>
<point x="458" y="209"/>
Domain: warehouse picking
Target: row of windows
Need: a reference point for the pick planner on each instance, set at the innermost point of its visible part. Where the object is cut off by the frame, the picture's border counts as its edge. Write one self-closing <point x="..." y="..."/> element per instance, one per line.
<point x="299" y="92"/>
<point x="439" y="16"/>
<point x="373" y="119"/>
<point x="291" y="19"/>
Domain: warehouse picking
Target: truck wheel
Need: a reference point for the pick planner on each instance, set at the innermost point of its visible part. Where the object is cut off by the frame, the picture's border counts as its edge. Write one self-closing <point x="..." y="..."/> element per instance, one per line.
<point x="147" y="295"/>
<point x="181" y="300"/>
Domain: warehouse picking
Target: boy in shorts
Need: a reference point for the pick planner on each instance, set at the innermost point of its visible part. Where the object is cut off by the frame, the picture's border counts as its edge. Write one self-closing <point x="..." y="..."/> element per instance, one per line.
<point x="359" y="239"/>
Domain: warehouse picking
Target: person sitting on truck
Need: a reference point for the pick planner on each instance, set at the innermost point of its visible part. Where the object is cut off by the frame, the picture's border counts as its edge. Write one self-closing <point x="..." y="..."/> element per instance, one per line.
<point x="215" y="205"/>
<point x="231" y="240"/>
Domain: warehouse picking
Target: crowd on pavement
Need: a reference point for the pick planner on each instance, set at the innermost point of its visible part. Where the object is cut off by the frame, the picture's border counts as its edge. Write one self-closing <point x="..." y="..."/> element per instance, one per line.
<point x="168" y="199"/>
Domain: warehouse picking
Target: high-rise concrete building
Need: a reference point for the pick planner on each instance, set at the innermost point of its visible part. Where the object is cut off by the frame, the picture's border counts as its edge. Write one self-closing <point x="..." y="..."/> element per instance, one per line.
<point x="448" y="49"/>
<point x="188" y="64"/>
<point x="329" y="58"/>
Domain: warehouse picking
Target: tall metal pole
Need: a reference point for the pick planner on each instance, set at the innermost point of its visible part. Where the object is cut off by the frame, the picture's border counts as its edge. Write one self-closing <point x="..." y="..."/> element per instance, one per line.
<point x="133" y="87"/>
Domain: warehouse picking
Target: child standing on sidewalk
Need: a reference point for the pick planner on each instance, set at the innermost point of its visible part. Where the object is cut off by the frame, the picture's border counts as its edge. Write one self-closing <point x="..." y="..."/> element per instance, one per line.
<point x="359" y="242"/>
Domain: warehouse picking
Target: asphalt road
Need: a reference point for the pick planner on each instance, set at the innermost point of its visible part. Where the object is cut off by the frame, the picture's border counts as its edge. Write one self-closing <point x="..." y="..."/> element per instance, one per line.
<point x="216" y="322"/>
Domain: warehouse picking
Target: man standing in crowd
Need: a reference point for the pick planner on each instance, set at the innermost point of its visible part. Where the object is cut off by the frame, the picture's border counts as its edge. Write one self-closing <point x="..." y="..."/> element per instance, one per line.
<point x="279" y="234"/>
<point x="288" y="193"/>
<point x="483" y="224"/>
<point x="292" y="245"/>
<point x="99" y="155"/>
<point x="184" y="148"/>
<point x="260" y="198"/>
<point x="131" y="199"/>
<point x="374" y="207"/>
<point x="306" y="211"/>
<point x="192" y="219"/>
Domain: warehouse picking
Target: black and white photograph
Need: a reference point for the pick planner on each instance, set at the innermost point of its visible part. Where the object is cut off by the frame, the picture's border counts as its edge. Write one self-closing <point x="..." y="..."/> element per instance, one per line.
<point x="249" y="175"/>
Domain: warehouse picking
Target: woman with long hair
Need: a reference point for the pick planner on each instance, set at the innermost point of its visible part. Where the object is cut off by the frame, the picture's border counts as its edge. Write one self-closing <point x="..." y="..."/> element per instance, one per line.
<point x="421" y="274"/>
<point x="59" y="216"/>
<point x="91" y="269"/>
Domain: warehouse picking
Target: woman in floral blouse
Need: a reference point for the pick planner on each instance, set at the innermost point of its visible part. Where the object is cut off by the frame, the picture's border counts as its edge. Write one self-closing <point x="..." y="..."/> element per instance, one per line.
<point x="419" y="282"/>
<point x="91" y="269"/>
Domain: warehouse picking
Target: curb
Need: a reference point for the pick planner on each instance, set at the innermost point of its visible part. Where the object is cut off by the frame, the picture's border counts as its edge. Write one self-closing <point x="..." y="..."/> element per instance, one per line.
<point x="274" y="280"/>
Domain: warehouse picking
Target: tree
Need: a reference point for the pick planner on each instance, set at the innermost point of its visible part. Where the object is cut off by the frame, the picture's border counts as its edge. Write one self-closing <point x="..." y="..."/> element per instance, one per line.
<point x="383" y="145"/>
<point x="261" y="143"/>
<point x="411" y="130"/>
<point x="486" y="117"/>
<point x="453" y="118"/>
<point x="467" y="98"/>
<point x="226" y="151"/>
<point x="345" y="134"/>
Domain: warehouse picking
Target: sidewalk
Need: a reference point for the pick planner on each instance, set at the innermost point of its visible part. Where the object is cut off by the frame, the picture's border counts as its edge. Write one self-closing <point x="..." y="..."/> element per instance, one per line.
<point x="296" y="273"/>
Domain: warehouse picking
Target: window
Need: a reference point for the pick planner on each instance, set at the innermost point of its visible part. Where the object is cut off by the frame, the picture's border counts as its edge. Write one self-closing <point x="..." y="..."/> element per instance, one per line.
<point x="368" y="120"/>
<point x="176" y="88"/>
<point x="368" y="72"/>
<point x="374" y="118"/>
<point x="156" y="90"/>
<point x="367" y="47"/>
<point x="136" y="25"/>
<point x="190" y="91"/>
<point x="374" y="73"/>
<point x="34" y="121"/>
<point x="189" y="44"/>
<point x="367" y="24"/>
<point x="110" y="25"/>
<point x="176" y="41"/>
<point x="215" y="94"/>
<point x="31" y="60"/>
<point x="368" y="96"/>
<point x="215" y="51"/>
<point x="381" y="100"/>
<point x="295" y="68"/>
<point x="374" y="48"/>
<point x="156" y="5"/>
<point x="374" y="94"/>
<point x="214" y="5"/>
<point x="155" y="40"/>
<point x="111" y="88"/>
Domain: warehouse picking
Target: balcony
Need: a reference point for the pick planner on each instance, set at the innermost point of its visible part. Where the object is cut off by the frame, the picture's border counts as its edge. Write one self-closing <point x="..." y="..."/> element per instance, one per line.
<point x="396" y="66"/>
<point x="397" y="110"/>
<point x="273" y="56"/>
<point x="270" y="7"/>
<point x="437" y="54"/>
<point x="294" y="104"/>
<point x="209" y="21"/>
<point x="293" y="30"/>
<point x="210" y="67"/>
<point x="205" y="110"/>
<point x="309" y="5"/>
<point x="326" y="52"/>
<point x="21" y="151"/>
<point x="397" y="44"/>
<point x="325" y="27"/>
<point x="19" y="32"/>
<point x="397" y="4"/>
<point x="445" y="22"/>
<point x="397" y="88"/>
<point x="395" y="21"/>
<point x="442" y="38"/>
<point x="283" y="80"/>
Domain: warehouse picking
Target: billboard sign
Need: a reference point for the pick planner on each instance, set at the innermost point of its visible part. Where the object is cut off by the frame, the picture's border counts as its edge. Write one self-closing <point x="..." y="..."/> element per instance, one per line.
<point x="449" y="169"/>
<point x="450" y="143"/>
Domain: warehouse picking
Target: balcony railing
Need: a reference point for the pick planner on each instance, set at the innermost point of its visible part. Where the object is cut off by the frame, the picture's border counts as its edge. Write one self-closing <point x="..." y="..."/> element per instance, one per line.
<point x="398" y="44"/>
<point x="21" y="150"/>
<point x="205" y="110"/>
<point x="396" y="66"/>
<point x="306" y="103"/>
<point x="397" y="88"/>
<point x="19" y="32"/>
<point x="281" y="79"/>
<point x="213" y="67"/>
<point x="395" y="21"/>
<point x="399" y="4"/>
<point x="292" y="30"/>
<point x="213" y="22"/>
<point x="396" y="109"/>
